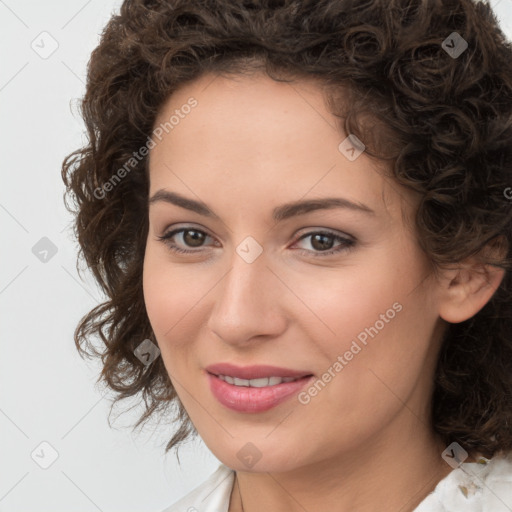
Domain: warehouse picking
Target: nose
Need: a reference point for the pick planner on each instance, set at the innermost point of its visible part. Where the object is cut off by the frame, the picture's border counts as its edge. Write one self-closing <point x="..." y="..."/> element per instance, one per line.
<point x="248" y="302"/>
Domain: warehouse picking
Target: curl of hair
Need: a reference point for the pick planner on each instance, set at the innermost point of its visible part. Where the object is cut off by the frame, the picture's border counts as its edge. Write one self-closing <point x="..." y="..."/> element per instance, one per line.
<point x="445" y="125"/>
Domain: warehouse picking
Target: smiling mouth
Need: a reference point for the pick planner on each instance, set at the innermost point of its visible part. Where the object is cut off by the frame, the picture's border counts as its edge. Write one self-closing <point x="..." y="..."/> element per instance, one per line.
<point x="260" y="382"/>
<point x="255" y="395"/>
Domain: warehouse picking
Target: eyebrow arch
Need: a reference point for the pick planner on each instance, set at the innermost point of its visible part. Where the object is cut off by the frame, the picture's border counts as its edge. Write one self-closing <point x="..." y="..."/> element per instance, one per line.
<point x="279" y="213"/>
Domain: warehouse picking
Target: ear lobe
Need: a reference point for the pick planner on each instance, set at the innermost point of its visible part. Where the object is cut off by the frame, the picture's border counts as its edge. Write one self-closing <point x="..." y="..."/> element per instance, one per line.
<point x="467" y="289"/>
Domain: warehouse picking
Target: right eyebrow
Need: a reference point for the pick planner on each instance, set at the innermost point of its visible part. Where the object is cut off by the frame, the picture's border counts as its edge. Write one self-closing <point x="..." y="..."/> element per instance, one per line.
<point x="183" y="202"/>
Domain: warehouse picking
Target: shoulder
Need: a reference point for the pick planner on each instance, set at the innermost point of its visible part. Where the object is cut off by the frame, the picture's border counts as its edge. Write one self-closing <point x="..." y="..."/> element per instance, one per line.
<point x="484" y="486"/>
<point x="210" y="496"/>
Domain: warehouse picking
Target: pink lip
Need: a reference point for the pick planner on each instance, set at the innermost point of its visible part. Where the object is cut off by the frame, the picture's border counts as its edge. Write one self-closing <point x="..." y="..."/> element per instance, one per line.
<point x="254" y="372"/>
<point x="253" y="400"/>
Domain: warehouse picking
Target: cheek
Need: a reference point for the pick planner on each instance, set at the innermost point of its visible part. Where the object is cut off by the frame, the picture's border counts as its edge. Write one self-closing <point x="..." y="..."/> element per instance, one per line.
<point x="165" y="295"/>
<point x="173" y="295"/>
<point x="347" y="301"/>
<point x="381" y="330"/>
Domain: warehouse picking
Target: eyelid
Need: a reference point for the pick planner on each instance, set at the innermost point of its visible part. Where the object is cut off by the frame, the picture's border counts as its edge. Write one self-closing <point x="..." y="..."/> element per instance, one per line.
<point x="177" y="228"/>
<point x="316" y="229"/>
<point x="303" y="231"/>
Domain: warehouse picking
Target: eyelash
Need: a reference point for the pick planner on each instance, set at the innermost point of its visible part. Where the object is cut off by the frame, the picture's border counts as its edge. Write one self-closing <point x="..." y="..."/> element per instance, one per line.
<point x="347" y="244"/>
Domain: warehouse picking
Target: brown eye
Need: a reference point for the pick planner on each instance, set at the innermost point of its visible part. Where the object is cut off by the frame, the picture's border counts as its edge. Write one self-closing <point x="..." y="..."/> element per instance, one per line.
<point x="191" y="237"/>
<point x="323" y="241"/>
<point x="194" y="240"/>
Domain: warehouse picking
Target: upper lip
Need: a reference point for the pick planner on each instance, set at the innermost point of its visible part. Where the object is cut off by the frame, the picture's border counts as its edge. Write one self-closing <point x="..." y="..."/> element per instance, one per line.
<point x="254" y="371"/>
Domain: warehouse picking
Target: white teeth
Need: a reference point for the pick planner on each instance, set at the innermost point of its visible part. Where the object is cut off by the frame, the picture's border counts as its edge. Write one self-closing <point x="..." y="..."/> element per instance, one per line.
<point x="260" y="383"/>
<point x="272" y="381"/>
<point x="256" y="383"/>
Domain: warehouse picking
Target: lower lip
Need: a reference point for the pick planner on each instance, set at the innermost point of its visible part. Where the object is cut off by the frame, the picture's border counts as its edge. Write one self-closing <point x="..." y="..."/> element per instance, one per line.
<point x="249" y="399"/>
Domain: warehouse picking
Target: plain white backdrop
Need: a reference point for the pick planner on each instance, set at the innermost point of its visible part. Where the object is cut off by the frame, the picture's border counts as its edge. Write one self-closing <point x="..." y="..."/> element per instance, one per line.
<point x="51" y="411"/>
<point x="47" y="392"/>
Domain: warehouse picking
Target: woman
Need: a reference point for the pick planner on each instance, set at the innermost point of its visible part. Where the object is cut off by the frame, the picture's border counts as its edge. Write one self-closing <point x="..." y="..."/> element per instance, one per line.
<point x="306" y="207"/>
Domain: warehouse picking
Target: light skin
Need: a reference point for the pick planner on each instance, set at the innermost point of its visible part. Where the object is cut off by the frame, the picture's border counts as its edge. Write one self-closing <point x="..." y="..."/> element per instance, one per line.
<point x="364" y="441"/>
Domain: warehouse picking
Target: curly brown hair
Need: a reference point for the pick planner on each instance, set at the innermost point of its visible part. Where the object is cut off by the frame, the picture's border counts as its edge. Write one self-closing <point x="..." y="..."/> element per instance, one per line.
<point x="448" y="136"/>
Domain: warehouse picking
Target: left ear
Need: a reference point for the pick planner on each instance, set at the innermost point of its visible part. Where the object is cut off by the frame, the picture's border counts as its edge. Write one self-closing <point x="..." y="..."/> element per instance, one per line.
<point x="467" y="289"/>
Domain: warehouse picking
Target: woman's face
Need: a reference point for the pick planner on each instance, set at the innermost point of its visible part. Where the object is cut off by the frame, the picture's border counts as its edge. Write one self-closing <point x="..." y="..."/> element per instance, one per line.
<point x="357" y="312"/>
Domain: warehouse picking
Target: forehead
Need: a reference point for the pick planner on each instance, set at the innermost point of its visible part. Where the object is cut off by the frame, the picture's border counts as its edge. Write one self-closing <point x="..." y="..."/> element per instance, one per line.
<point x="249" y="116"/>
<point x="253" y="137"/>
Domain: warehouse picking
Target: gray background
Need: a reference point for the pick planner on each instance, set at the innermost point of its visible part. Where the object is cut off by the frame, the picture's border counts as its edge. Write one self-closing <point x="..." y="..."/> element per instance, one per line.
<point x="47" y="392"/>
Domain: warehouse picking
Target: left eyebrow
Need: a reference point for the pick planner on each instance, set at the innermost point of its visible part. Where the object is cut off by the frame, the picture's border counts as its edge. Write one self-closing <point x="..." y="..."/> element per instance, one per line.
<point x="288" y="210"/>
<point x="280" y="213"/>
